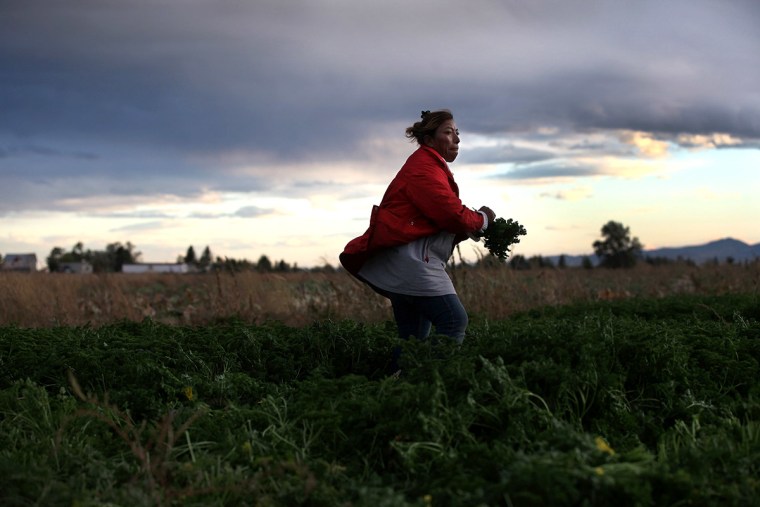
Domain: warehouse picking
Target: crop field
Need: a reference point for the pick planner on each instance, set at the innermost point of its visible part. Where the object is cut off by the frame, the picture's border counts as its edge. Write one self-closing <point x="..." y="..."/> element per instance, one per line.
<point x="573" y="387"/>
<point x="298" y="298"/>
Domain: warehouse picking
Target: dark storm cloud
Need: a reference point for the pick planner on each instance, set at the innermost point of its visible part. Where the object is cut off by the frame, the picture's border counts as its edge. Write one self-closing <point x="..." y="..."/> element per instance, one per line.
<point x="195" y="77"/>
<point x="116" y="97"/>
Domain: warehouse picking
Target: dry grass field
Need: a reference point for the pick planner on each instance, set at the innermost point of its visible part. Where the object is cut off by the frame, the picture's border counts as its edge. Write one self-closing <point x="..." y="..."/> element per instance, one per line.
<point x="44" y="300"/>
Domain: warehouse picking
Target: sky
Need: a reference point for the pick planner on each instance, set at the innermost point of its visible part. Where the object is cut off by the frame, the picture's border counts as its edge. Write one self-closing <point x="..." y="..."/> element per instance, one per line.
<point x="271" y="127"/>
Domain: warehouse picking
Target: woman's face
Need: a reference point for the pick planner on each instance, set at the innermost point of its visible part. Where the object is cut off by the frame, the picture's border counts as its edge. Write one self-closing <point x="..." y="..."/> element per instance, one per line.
<point x="445" y="141"/>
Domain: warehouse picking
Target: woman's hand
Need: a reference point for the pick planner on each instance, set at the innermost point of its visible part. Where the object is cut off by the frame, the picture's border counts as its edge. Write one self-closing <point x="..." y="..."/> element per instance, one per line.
<point x="489" y="213"/>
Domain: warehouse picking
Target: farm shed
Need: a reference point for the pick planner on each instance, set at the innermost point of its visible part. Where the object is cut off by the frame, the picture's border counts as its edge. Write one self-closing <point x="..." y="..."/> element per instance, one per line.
<point x="83" y="267"/>
<point x="19" y="262"/>
<point x="156" y="267"/>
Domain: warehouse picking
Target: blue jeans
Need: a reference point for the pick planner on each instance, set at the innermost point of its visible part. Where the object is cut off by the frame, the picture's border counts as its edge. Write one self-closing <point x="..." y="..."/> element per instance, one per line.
<point x="416" y="315"/>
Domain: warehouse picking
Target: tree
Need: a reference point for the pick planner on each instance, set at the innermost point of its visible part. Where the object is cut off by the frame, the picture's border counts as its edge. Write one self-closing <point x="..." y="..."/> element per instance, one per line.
<point x="119" y="254"/>
<point x="55" y="258"/>
<point x="77" y="252"/>
<point x="58" y="256"/>
<point x="101" y="263"/>
<point x="539" y="261"/>
<point x="264" y="265"/>
<point x="618" y="249"/>
<point x="519" y="262"/>
<point x="190" y="255"/>
<point x="205" y="260"/>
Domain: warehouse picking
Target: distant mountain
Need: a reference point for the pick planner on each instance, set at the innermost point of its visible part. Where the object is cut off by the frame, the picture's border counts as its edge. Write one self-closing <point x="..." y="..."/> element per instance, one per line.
<point x="721" y="250"/>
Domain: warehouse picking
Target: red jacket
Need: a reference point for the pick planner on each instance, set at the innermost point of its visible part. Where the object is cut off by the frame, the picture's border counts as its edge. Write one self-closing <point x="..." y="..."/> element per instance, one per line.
<point x="422" y="200"/>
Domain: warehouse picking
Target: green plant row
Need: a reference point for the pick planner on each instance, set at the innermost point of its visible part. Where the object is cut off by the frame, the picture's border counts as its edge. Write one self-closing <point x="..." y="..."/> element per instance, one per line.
<point x="639" y="402"/>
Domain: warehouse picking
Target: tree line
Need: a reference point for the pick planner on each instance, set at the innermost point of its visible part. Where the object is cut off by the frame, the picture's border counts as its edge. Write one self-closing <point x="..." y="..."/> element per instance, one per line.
<point x="616" y="249"/>
<point x="206" y="262"/>
<point x="116" y="255"/>
<point x="109" y="260"/>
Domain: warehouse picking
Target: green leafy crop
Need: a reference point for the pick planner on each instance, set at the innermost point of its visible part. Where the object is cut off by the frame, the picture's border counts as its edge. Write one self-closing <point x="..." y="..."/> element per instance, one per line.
<point x="643" y="401"/>
<point x="500" y="235"/>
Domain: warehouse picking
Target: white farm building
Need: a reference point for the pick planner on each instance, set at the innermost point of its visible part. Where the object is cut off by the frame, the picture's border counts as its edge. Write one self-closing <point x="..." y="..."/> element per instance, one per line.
<point x="156" y="267"/>
<point x="19" y="262"/>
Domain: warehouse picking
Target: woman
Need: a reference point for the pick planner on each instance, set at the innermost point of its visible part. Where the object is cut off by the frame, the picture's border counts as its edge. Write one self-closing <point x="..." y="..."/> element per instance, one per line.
<point x="412" y="233"/>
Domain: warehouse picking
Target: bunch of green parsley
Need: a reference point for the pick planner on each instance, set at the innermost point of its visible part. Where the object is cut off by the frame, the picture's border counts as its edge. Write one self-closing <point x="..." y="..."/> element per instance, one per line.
<point x="500" y="235"/>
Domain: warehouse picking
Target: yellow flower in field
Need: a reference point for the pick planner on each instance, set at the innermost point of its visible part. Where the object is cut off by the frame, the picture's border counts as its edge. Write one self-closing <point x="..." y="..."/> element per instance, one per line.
<point x="247" y="447"/>
<point x="603" y="446"/>
<point x="188" y="390"/>
<point x="599" y="471"/>
<point x="428" y="499"/>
